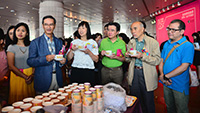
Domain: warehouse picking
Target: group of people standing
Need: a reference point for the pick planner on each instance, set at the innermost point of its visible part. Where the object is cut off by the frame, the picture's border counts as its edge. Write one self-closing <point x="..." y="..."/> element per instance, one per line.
<point x="34" y="69"/>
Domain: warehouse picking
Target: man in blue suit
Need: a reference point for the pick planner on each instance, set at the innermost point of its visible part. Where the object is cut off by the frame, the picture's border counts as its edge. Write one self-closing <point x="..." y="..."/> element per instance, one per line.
<point x="42" y="51"/>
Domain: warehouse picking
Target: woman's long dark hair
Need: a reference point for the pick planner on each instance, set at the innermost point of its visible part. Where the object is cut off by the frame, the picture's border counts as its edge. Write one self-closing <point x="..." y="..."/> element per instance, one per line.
<point x="8" y="39"/>
<point x="26" y="39"/>
<point x="197" y="35"/>
<point x="88" y="29"/>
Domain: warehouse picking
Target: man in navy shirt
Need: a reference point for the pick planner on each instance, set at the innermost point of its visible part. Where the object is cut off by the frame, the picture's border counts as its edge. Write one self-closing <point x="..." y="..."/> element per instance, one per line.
<point x="174" y="69"/>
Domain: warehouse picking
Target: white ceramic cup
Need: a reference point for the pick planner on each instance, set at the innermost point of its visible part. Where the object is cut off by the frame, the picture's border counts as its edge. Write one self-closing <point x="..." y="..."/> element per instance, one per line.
<point x="133" y="52"/>
<point x="59" y="57"/>
<point x="108" y="52"/>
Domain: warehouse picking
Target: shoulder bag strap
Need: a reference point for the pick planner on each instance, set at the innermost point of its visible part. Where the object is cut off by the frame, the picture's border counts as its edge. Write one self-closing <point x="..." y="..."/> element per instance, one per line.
<point x="177" y="45"/>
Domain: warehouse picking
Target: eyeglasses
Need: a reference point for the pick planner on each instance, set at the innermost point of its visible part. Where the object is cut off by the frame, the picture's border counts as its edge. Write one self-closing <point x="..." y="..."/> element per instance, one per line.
<point x="172" y="29"/>
<point x="48" y="24"/>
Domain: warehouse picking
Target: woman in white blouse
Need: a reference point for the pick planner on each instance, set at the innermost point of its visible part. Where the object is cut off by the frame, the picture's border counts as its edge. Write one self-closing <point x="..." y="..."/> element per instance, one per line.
<point x="85" y="52"/>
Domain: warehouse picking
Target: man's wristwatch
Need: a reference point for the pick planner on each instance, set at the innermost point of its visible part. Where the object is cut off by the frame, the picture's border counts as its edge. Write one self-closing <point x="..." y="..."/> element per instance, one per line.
<point x="165" y="78"/>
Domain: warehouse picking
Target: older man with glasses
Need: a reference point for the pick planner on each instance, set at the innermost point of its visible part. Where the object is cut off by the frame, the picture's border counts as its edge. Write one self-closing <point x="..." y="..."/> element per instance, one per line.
<point x="48" y="74"/>
<point x="177" y="55"/>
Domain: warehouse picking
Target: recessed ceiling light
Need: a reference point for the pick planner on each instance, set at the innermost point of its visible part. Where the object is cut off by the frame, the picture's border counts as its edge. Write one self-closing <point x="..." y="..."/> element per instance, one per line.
<point x="32" y="17"/>
<point x="136" y="9"/>
<point x="1" y="7"/>
<point x="72" y="5"/>
<point x="70" y="19"/>
<point x="110" y="7"/>
<point x="132" y="4"/>
<point x="66" y="18"/>
<point x="94" y="14"/>
<point x="28" y="3"/>
<point x="79" y="3"/>
<point x="101" y="0"/>
<point x="75" y="20"/>
<point x="165" y="0"/>
<point x="15" y="14"/>
<point x="12" y="11"/>
<point x="139" y="13"/>
<point x="7" y="7"/>
<point x="129" y="10"/>
<point x="28" y="12"/>
<point x="6" y="20"/>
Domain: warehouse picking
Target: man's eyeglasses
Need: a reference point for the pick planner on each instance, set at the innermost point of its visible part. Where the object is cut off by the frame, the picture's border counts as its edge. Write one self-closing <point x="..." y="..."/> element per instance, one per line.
<point x="172" y="29"/>
<point x="48" y="24"/>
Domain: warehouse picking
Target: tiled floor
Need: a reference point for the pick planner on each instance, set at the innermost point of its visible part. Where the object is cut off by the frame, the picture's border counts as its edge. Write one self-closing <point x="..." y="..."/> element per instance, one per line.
<point x="194" y="101"/>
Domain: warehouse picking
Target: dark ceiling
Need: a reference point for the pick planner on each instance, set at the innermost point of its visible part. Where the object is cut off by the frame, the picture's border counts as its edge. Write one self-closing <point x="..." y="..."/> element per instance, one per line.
<point x="122" y="11"/>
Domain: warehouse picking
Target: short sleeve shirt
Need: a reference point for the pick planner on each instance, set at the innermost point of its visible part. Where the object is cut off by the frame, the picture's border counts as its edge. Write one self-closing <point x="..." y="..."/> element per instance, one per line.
<point x="182" y="54"/>
<point x="107" y="44"/>
<point x="21" y="55"/>
<point x="82" y="60"/>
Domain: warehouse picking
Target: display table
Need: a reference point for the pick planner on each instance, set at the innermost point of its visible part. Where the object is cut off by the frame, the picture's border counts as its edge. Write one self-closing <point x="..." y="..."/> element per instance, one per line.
<point x="135" y="108"/>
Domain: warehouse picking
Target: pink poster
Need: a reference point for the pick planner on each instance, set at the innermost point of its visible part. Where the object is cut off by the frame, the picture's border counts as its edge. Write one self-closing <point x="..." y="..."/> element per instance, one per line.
<point x="189" y="14"/>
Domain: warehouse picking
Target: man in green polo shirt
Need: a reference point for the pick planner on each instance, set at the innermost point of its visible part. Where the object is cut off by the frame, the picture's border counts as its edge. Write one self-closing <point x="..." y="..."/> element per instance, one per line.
<point x="112" y="70"/>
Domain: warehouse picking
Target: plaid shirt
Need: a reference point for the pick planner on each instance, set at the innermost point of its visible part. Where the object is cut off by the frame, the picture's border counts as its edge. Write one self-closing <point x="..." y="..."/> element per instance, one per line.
<point x="51" y="46"/>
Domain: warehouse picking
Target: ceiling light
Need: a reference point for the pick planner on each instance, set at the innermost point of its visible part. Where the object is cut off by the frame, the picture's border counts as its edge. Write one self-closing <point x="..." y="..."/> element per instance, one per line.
<point x="165" y="0"/>
<point x="94" y="14"/>
<point x="156" y="13"/>
<point x="17" y="19"/>
<point x="72" y="5"/>
<point x="32" y="17"/>
<point x="6" y="20"/>
<point x="0" y="16"/>
<point x="70" y="19"/>
<point x="136" y="9"/>
<point x="153" y="14"/>
<point x="12" y="11"/>
<point x="139" y="13"/>
<point x="110" y="7"/>
<point x="79" y="3"/>
<point x="129" y="10"/>
<point x="75" y="20"/>
<point x="132" y="4"/>
<point x="163" y="9"/>
<point x="28" y="12"/>
<point x="178" y="3"/>
<point x="15" y="14"/>
<point x="7" y="7"/>
<point x="101" y="0"/>
<point x="150" y="15"/>
<point x="65" y="18"/>
<point x="28" y="3"/>
<point x="167" y="8"/>
<point x="159" y="12"/>
<point x="1" y="7"/>
<point x="173" y="5"/>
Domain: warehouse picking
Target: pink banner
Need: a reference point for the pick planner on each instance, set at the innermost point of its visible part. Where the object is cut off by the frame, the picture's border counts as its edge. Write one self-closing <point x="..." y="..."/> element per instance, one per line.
<point x="189" y="14"/>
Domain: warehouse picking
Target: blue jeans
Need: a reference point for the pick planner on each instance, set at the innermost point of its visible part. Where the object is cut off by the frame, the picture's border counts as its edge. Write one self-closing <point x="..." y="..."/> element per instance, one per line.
<point x="176" y="102"/>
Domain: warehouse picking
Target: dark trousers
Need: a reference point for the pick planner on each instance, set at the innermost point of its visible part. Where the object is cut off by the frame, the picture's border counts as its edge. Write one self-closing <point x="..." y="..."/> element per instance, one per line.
<point x="80" y="75"/>
<point x="139" y="90"/>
